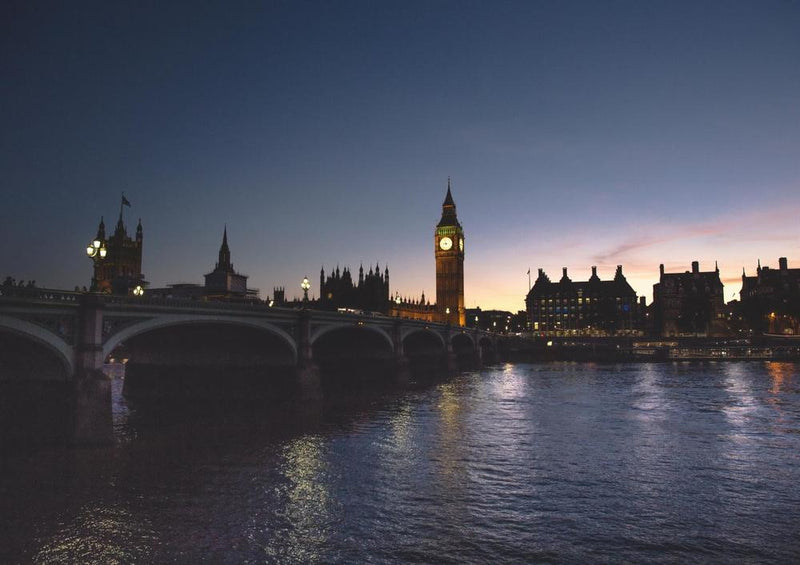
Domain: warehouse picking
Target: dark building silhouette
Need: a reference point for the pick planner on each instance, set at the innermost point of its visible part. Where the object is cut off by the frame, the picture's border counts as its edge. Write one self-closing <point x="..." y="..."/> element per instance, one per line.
<point x="224" y="283"/>
<point x="592" y="307"/>
<point x="117" y="259"/>
<point x="448" y="243"/>
<point x="501" y="321"/>
<point x="369" y="293"/>
<point x="689" y="303"/>
<point x="770" y="300"/>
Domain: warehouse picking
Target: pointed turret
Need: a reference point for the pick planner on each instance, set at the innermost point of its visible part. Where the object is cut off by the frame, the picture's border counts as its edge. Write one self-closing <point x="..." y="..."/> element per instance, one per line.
<point x="101" y="231"/>
<point x="448" y="200"/>
<point x="120" y="228"/>
<point x="139" y="232"/>
<point x="449" y="217"/>
<point x="224" y="262"/>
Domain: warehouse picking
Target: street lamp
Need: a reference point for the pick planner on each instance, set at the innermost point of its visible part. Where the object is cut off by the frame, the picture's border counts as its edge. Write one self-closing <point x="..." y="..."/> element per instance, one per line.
<point x="138" y="290"/>
<point x="96" y="250"/>
<point x="305" y="285"/>
<point x="397" y="298"/>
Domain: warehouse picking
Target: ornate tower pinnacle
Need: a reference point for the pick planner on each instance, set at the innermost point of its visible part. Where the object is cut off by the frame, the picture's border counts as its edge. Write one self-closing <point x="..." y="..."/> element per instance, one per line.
<point x="224" y="262"/>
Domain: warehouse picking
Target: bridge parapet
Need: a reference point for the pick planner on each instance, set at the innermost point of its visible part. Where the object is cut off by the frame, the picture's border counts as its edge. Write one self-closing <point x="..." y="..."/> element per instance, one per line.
<point x="39" y="294"/>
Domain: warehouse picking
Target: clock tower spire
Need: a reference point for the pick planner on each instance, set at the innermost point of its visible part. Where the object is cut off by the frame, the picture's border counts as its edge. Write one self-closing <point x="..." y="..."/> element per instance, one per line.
<point x="449" y="252"/>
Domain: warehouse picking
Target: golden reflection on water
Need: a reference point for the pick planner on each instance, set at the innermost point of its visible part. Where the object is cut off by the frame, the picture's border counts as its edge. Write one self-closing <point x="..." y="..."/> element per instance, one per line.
<point x="451" y="445"/>
<point x="308" y="503"/>
<point x="781" y="374"/>
<point x="106" y="535"/>
<point x="399" y="423"/>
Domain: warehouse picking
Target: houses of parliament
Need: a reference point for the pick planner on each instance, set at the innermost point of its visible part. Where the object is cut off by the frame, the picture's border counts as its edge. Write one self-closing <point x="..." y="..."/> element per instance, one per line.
<point x="118" y="269"/>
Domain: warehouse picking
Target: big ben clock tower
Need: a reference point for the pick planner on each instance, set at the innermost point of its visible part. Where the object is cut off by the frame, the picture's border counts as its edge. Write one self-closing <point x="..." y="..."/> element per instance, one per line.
<point x="449" y="249"/>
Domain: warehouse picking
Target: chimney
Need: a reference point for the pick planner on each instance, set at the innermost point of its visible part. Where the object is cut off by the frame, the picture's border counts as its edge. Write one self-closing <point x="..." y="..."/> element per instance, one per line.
<point x="695" y="267"/>
<point x="564" y="269"/>
<point x="594" y="271"/>
<point x="783" y="263"/>
<point x="661" y="269"/>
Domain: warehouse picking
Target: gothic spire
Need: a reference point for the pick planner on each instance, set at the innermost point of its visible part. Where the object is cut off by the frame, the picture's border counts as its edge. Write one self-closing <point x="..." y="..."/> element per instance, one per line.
<point x="224" y="262"/>
<point x="448" y="200"/>
<point x="101" y="230"/>
<point x="449" y="217"/>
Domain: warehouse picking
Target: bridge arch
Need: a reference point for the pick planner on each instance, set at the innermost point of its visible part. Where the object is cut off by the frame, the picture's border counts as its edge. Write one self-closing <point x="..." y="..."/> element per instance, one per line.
<point x="459" y="336"/>
<point x="186" y="319"/>
<point x="321" y="331"/>
<point x="427" y="331"/>
<point x="63" y="350"/>
<point x="488" y="349"/>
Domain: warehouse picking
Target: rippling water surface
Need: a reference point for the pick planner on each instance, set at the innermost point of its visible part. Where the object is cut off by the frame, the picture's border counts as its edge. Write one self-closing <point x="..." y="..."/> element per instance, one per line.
<point x="515" y="464"/>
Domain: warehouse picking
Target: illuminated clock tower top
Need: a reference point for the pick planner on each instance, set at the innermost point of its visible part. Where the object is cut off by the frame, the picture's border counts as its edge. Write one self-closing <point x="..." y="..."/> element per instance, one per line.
<point x="449" y="252"/>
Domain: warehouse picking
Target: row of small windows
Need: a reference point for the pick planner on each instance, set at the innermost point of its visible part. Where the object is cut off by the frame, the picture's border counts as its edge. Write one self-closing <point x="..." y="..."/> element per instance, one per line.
<point x="587" y="300"/>
<point x="565" y="317"/>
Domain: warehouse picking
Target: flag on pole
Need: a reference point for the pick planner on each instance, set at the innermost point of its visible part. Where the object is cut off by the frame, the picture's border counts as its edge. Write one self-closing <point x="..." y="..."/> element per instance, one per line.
<point x="125" y="201"/>
<point x="529" y="270"/>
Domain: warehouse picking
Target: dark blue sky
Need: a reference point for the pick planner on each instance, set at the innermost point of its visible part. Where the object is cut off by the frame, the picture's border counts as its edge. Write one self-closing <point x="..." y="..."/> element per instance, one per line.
<point x="576" y="134"/>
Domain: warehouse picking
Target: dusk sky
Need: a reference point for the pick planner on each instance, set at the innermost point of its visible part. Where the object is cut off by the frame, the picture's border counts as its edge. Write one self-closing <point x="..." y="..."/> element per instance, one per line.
<point x="323" y="133"/>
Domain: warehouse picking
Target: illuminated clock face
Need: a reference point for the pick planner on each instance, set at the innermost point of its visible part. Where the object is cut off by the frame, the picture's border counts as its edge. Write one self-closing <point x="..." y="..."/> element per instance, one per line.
<point x="445" y="243"/>
<point x="461" y="244"/>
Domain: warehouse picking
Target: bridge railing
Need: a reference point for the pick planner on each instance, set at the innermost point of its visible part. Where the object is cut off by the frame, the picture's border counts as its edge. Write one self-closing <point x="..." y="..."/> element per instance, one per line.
<point x="39" y="294"/>
<point x="181" y="302"/>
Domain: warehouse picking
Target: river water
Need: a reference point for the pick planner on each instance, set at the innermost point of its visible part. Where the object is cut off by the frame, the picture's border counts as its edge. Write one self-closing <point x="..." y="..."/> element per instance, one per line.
<point x="550" y="463"/>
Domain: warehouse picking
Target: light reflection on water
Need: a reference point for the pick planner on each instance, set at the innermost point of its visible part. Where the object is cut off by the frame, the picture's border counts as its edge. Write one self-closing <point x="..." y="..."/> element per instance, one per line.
<point x="563" y="462"/>
<point x="98" y="535"/>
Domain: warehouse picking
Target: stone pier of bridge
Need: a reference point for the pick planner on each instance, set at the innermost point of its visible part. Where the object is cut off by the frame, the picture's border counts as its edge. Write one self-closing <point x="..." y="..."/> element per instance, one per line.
<point x="91" y="387"/>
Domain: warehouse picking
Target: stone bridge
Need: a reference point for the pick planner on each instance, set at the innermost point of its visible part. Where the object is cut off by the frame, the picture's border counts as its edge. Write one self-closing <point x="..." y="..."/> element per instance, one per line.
<point x="54" y="345"/>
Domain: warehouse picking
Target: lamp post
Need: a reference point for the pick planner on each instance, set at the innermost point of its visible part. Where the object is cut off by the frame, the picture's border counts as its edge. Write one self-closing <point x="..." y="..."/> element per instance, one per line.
<point x="96" y="250"/>
<point x="138" y="290"/>
<point x="305" y="285"/>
